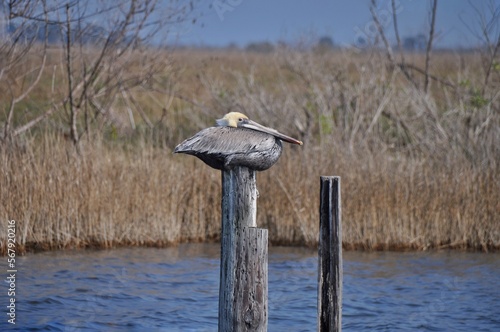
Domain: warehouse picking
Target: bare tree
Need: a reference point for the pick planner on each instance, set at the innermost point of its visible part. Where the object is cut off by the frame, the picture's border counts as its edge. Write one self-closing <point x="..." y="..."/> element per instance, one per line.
<point x="107" y="50"/>
<point x="17" y="42"/>
<point x="406" y="67"/>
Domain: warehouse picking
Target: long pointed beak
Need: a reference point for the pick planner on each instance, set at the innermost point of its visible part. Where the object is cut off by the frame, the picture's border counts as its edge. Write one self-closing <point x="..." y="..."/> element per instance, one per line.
<point x="255" y="126"/>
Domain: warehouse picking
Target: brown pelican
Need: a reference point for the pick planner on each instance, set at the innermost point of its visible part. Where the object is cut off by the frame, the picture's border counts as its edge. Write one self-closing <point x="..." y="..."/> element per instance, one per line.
<point x="236" y="141"/>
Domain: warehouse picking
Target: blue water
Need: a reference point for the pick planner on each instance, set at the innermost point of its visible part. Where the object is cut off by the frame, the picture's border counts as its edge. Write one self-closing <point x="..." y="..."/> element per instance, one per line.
<point x="176" y="289"/>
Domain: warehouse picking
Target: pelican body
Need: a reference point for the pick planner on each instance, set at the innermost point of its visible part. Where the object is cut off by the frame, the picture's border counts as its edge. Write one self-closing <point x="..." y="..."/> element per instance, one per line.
<point x="236" y="141"/>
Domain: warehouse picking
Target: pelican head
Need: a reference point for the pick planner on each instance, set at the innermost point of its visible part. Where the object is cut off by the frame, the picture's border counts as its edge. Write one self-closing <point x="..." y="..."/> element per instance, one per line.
<point x="240" y="120"/>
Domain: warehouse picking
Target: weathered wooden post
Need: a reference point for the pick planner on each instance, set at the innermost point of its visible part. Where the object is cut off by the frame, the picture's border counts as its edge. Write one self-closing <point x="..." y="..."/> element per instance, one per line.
<point x="330" y="256"/>
<point x="243" y="271"/>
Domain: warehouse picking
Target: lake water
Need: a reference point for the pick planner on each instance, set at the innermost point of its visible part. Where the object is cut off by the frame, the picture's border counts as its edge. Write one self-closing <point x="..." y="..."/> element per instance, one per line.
<point x="176" y="289"/>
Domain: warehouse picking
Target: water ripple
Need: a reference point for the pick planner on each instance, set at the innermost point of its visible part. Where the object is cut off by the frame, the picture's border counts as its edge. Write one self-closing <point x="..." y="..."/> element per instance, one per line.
<point x="176" y="289"/>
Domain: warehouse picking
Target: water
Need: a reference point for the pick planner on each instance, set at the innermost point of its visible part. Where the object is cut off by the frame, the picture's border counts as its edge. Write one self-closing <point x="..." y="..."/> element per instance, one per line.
<point x="176" y="289"/>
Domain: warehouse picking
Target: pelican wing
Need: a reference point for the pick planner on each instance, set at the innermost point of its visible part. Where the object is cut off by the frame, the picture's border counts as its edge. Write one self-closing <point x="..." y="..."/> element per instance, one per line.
<point x="226" y="141"/>
<point x="222" y="147"/>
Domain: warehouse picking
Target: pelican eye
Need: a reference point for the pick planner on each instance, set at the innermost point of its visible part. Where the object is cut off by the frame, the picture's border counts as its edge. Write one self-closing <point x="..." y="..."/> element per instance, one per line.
<point x="240" y="119"/>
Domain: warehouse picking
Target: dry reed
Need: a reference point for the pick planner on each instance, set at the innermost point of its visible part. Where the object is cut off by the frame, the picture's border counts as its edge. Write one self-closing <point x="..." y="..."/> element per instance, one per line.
<point x="418" y="170"/>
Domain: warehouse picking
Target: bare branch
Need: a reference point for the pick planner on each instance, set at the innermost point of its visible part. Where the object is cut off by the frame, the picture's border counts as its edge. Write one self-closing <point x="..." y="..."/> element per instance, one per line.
<point x="396" y="30"/>
<point x="130" y="99"/>
<point x="493" y="46"/>
<point x="30" y="124"/>
<point x="31" y="86"/>
<point x="381" y="32"/>
<point x="402" y="65"/>
<point x="72" y="109"/>
<point x="421" y="71"/>
<point x="429" y="45"/>
<point x="487" y="33"/>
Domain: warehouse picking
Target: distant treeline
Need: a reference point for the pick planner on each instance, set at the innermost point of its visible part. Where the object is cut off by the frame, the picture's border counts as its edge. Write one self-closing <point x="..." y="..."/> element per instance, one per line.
<point x="91" y="34"/>
<point x="55" y="33"/>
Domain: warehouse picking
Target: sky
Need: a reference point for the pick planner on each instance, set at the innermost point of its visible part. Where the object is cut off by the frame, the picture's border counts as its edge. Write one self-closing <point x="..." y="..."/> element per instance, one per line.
<point x="240" y="22"/>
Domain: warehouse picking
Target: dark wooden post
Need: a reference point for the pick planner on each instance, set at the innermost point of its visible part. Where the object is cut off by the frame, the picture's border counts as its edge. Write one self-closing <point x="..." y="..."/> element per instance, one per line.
<point x="330" y="256"/>
<point x="243" y="271"/>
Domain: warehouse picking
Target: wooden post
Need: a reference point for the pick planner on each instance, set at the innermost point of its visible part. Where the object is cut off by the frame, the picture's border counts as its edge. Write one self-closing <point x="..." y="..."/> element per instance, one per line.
<point x="330" y="256"/>
<point x="243" y="271"/>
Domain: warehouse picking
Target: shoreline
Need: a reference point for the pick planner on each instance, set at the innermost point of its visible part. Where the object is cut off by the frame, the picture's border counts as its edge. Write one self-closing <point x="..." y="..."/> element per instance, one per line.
<point x="35" y="248"/>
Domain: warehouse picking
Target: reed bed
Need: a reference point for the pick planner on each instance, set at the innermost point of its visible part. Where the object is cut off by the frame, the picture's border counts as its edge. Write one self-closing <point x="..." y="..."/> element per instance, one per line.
<point x="419" y="171"/>
<point x="104" y="197"/>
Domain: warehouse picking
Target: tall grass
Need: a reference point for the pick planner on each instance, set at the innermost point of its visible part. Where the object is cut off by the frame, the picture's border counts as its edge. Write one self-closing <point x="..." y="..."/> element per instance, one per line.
<point x="103" y="197"/>
<point x="418" y="170"/>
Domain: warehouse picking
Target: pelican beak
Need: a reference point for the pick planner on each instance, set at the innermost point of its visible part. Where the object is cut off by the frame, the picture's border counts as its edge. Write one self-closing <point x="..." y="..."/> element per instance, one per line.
<point x="255" y="126"/>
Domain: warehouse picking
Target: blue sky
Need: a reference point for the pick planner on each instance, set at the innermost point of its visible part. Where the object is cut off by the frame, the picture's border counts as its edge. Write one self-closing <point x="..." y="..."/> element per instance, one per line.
<point x="222" y="22"/>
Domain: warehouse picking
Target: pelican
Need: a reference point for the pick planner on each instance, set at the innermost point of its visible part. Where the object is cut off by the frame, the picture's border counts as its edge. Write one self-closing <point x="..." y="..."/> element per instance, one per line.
<point x="236" y="141"/>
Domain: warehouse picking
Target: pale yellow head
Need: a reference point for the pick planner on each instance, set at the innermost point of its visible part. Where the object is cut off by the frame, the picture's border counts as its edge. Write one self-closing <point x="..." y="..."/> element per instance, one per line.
<point x="232" y="119"/>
